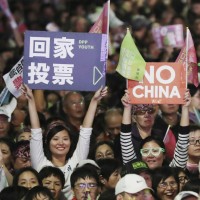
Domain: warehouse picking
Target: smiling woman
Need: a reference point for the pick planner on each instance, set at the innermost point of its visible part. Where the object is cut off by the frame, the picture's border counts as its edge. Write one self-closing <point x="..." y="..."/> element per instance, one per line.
<point x="165" y="183"/>
<point x="152" y="149"/>
<point x="58" y="141"/>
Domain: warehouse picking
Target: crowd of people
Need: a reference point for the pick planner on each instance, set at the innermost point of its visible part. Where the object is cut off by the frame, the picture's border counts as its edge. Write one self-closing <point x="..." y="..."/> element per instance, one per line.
<point x="72" y="145"/>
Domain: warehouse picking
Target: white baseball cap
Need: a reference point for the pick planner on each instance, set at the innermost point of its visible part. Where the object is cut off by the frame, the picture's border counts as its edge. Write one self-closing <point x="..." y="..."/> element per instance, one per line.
<point x="131" y="183"/>
<point x="184" y="194"/>
<point x="8" y="109"/>
<point x="88" y="161"/>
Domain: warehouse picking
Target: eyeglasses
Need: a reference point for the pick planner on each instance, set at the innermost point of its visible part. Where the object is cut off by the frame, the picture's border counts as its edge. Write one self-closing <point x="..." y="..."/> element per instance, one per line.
<point x="194" y="141"/>
<point x="183" y="179"/>
<point x="154" y="151"/>
<point x="164" y="185"/>
<point x="82" y="186"/>
<point x="149" y="111"/>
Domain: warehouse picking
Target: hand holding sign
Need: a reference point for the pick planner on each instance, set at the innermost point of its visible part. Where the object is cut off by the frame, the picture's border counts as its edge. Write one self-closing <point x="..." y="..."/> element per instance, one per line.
<point x="100" y="93"/>
<point x="187" y="98"/>
<point x="126" y="99"/>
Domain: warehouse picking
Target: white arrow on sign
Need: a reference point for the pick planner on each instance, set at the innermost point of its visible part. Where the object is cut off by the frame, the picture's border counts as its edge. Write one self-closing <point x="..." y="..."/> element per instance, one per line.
<point x="97" y="75"/>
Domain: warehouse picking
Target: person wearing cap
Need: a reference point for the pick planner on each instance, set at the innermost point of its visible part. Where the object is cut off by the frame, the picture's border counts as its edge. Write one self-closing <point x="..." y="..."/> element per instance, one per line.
<point x="138" y="167"/>
<point x="133" y="186"/>
<point x="187" y="195"/>
<point x="5" y="117"/>
<point x="152" y="149"/>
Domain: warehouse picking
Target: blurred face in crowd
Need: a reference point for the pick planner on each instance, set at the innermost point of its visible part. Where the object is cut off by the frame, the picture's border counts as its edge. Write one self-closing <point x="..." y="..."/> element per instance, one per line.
<point x="194" y="146"/>
<point x="24" y="136"/>
<point x="18" y="117"/>
<point x="169" y="108"/>
<point x="74" y="105"/>
<point x="195" y="100"/>
<point x="4" y="125"/>
<point x="41" y="197"/>
<point x="22" y="102"/>
<point x="86" y="189"/>
<point x="145" y="118"/>
<point x="152" y="155"/>
<point x="104" y="151"/>
<point x="147" y="178"/>
<point x="167" y="189"/>
<point x="54" y="184"/>
<point x="60" y="144"/>
<point x="6" y="154"/>
<point x="113" y="124"/>
<point x="28" y="179"/>
<point x="113" y="179"/>
<point x="183" y="179"/>
<point x="21" y="162"/>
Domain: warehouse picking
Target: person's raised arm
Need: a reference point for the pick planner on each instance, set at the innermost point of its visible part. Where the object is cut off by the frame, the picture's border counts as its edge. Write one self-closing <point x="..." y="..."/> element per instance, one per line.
<point x="31" y="106"/>
<point x="126" y="118"/>
<point x="185" y="109"/>
<point x="127" y="148"/>
<point x="40" y="101"/>
<point x="89" y="117"/>
<point x="181" y="150"/>
<point x="82" y="148"/>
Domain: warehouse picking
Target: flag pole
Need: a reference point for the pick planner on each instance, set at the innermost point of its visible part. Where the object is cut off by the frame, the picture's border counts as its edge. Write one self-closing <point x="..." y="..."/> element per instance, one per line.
<point x="186" y="54"/>
<point x="166" y="132"/>
<point x="3" y="95"/>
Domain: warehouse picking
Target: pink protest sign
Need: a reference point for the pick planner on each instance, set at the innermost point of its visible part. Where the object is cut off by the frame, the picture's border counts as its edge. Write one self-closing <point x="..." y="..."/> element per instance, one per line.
<point x="171" y="35"/>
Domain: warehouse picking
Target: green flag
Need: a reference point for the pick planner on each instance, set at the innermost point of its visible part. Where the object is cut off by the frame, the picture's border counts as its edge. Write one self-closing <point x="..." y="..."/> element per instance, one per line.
<point x="131" y="64"/>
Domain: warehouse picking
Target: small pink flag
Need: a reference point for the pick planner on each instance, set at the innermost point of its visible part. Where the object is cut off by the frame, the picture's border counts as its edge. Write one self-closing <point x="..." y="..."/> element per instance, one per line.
<point x="4" y="5"/>
<point x="170" y="143"/>
<point x="188" y="58"/>
<point x="101" y="25"/>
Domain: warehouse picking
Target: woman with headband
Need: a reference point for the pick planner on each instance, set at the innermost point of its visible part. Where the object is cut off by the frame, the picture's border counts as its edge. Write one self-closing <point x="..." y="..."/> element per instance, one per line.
<point x="58" y="140"/>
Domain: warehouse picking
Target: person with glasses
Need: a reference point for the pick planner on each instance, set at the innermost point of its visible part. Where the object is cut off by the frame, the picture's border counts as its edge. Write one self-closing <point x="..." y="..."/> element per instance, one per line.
<point x="182" y="176"/>
<point x="152" y="149"/>
<point x="165" y="183"/>
<point x="141" y="118"/>
<point x="85" y="183"/>
<point x="194" y="150"/>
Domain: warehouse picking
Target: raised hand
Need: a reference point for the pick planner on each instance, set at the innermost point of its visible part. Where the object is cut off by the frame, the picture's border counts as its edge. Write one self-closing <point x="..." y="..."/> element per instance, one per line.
<point x="126" y="100"/>
<point x="187" y="98"/>
<point x="27" y="92"/>
<point x="100" y="93"/>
